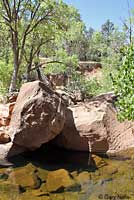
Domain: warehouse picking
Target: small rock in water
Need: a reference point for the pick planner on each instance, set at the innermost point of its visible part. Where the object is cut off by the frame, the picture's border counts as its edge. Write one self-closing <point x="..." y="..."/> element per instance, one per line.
<point x="101" y="182"/>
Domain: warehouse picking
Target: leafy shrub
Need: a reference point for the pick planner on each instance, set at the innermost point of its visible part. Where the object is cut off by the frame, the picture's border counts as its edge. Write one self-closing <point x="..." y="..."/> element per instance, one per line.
<point x="67" y="63"/>
<point x="5" y="76"/>
<point x="110" y="67"/>
<point x="124" y="85"/>
<point x="106" y="80"/>
<point x="89" y="87"/>
<point x="92" y="87"/>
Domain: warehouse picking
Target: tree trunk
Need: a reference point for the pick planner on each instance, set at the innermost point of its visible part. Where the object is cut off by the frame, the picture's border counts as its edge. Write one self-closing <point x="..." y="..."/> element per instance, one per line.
<point x="29" y="66"/>
<point x="13" y="83"/>
<point x="28" y="72"/>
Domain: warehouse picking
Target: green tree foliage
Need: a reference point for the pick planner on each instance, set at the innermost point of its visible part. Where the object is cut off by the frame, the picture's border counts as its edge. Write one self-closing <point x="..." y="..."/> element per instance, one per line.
<point x="5" y="50"/>
<point x="30" y="23"/>
<point x="87" y="87"/>
<point x="124" y="85"/>
<point x="65" y="63"/>
<point x="30" y="30"/>
<point x="107" y="30"/>
<point x="72" y="41"/>
<point x="5" y="76"/>
<point x="46" y="40"/>
<point x="78" y="43"/>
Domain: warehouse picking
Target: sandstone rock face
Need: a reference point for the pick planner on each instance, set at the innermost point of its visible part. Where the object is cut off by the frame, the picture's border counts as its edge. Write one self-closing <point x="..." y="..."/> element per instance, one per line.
<point x="38" y="116"/>
<point x="5" y="113"/>
<point x="93" y="126"/>
<point x="4" y="150"/>
<point x="12" y="97"/>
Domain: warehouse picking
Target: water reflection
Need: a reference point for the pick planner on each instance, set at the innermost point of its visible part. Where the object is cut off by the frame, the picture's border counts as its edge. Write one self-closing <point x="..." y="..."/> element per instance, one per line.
<point x="56" y="174"/>
<point x="52" y="158"/>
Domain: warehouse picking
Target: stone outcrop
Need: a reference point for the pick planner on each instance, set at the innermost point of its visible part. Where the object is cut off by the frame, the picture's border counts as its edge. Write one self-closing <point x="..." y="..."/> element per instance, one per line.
<point x="93" y="126"/>
<point x="38" y="117"/>
<point x="88" y="66"/>
<point x="5" y="113"/>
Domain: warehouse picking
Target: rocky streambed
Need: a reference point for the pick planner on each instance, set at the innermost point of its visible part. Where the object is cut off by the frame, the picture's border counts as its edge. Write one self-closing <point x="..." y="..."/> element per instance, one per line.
<point x="57" y="174"/>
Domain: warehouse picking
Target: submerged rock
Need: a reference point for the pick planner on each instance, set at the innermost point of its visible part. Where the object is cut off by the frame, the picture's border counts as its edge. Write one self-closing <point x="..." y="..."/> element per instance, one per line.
<point x="83" y="177"/>
<point x="58" y="179"/>
<point x="98" y="161"/>
<point x="9" y="188"/>
<point x="25" y="177"/>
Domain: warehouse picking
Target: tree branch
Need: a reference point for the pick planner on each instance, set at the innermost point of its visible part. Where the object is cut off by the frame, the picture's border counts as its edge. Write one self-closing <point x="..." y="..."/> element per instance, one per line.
<point x="18" y="7"/>
<point x="39" y="20"/>
<point x="7" y="8"/>
<point x="26" y="32"/>
<point x="130" y="23"/>
<point x="23" y="9"/>
<point x="46" y="63"/>
<point x="41" y="44"/>
<point x="36" y="10"/>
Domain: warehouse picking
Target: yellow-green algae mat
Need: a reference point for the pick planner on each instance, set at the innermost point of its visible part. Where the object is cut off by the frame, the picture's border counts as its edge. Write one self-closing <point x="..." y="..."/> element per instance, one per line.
<point x="111" y="179"/>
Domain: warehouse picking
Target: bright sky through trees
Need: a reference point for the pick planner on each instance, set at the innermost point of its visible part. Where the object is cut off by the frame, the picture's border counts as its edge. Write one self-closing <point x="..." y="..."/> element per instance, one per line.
<point x="96" y="12"/>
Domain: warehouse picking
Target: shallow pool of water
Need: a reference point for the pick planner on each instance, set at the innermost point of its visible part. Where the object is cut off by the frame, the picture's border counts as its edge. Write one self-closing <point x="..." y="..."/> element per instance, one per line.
<point x="56" y="174"/>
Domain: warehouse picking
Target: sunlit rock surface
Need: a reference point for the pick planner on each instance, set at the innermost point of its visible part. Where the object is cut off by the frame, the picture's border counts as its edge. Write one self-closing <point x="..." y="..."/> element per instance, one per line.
<point x="93" y="126"/>
<point x="38" y="116"/>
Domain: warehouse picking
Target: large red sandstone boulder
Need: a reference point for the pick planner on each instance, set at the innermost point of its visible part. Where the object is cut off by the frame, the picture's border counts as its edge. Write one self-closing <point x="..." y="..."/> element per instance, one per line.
<point x="93" y="126"/>
<point x="38" y="117"/>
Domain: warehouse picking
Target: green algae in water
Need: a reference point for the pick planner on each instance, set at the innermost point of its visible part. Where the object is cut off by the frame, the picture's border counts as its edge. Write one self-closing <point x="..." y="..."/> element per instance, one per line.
<point x="39" y="176"/>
